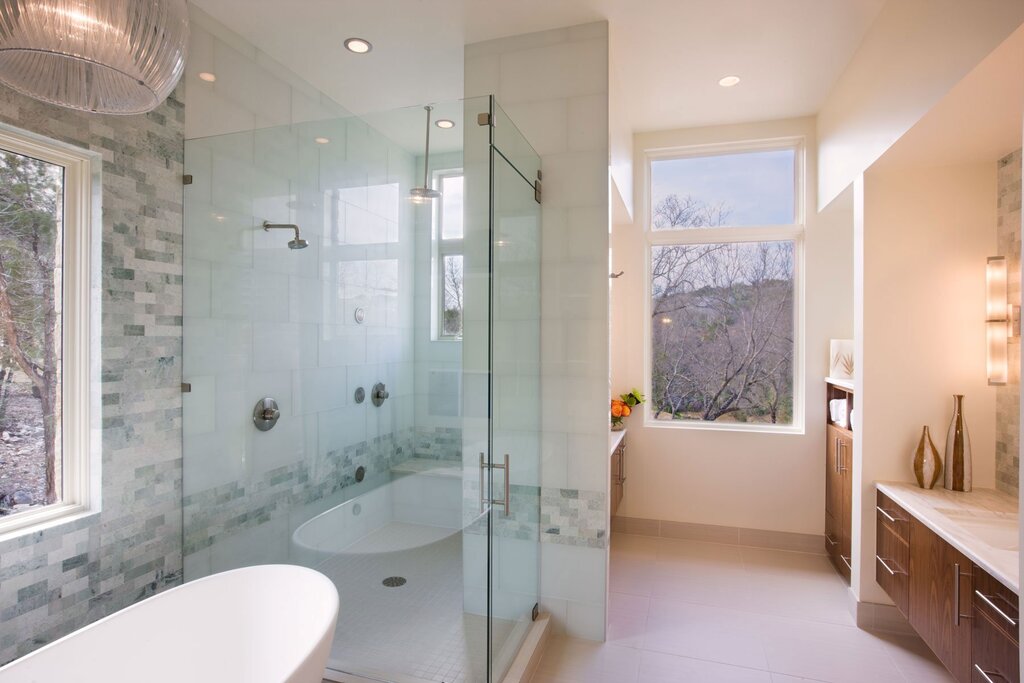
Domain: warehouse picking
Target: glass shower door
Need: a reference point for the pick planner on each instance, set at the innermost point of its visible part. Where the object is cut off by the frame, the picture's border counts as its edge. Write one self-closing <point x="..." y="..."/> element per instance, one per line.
<point x="515" y="221"/>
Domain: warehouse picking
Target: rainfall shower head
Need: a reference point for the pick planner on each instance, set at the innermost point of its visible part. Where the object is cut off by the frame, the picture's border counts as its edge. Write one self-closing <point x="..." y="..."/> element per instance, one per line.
<point x="297" y="243"/>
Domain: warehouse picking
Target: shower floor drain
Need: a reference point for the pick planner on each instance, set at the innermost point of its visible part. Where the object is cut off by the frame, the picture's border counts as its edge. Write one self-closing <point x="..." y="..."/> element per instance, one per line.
<point x="394" y="581"/>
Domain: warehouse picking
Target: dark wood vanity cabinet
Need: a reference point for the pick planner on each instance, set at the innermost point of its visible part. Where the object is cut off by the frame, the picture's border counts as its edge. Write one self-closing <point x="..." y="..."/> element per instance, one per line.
<point x="618" y="469"/>
<point x="995" y="652"/>
<point x="940" y="598"/>
<point x="839" y="499"/>
<point x="968" y="618"/>
<point x="839" y="481"/>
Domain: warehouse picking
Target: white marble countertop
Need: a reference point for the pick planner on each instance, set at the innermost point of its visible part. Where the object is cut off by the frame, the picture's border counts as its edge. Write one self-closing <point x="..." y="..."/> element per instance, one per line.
<point x="974" y="523"/>
<point x="614" y="439"/>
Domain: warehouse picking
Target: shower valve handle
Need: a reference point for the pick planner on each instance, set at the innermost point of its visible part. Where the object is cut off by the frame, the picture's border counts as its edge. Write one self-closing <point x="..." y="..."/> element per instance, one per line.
<point x="379" y="394"/>
<point x="271" y="413"/>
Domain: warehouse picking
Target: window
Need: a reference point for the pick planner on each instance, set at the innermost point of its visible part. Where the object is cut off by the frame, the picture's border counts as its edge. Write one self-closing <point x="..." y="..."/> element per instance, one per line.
<point x="725" y="237"/>
<point x="448" y="261"/>
<point x="46" y="215"/>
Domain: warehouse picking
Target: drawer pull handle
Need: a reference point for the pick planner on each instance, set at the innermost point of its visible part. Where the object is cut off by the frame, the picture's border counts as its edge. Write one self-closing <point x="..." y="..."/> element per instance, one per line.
<point x="987" y="675"/>
<point x="886" y="565"/>
<point x="887" y="515"/>
<point x="988" y="601"/>
<point x="846" y="562"/>
<point x="829" y="540"/>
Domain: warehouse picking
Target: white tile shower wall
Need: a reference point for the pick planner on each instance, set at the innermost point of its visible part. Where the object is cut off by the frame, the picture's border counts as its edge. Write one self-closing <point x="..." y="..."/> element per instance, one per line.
<point x="554" y="85"/>
<point x="251" y="90"/>
<point x="280" y="322"/>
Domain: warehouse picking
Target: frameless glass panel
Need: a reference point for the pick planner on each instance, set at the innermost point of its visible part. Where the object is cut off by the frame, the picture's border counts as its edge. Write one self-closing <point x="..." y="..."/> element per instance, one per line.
<point x="742" y="189"/>
<point x="514" y="146"/>
<point x="515" y="393"/>
<point x="722" y="332"/>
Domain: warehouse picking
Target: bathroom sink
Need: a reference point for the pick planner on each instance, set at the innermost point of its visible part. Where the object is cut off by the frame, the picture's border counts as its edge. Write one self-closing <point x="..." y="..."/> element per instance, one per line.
<point x="997" y="530"/>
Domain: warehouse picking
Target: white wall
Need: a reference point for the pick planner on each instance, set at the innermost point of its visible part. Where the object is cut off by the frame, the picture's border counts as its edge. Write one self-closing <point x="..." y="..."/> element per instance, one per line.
<point x="924" y="235"/>
<point x="914" y="53"/>
<point x="749" y="480"/>
<point x="554" y="86"/>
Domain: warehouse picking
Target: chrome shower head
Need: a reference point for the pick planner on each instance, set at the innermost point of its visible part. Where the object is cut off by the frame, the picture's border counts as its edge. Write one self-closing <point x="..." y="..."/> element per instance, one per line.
<point x="297" y="243"/>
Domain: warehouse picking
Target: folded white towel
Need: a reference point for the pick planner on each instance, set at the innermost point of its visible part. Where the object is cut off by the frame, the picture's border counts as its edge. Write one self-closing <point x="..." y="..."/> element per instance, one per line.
<point x="837" y="412"/>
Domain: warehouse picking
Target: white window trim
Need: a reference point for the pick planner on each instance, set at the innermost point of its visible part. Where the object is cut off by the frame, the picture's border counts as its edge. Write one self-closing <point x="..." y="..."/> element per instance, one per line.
<point x="80" y="490"/>
<point x="767" y="233"/>
<point x="439" y="249"/>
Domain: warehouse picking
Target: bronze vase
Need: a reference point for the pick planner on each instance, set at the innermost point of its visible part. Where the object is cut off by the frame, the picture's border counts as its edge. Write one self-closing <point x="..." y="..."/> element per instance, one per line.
<point x="958" y="450"/>
<point x="927" y="464"/>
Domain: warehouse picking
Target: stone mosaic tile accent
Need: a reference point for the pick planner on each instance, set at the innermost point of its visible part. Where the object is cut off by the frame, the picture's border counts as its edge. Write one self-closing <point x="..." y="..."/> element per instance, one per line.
<point x="523" y="519"/>
<point x="438" y="443"/>
<point x="573" y="517"/>
<point x="55" y="581"/>
<point x="213" y="515"/>
<point x="1008" y="396"/>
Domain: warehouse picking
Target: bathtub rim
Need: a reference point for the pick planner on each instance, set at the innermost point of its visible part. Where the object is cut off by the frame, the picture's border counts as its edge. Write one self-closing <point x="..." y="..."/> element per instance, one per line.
<point x="295" y="541"/>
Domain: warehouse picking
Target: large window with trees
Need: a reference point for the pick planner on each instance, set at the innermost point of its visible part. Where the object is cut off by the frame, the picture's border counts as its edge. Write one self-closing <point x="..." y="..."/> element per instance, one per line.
<point x="725" y="238"/>
<point x="46" y="207"/>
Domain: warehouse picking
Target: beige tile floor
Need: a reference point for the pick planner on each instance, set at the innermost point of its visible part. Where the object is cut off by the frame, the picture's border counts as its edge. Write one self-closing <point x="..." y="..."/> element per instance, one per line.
<point x="693" y="612"/>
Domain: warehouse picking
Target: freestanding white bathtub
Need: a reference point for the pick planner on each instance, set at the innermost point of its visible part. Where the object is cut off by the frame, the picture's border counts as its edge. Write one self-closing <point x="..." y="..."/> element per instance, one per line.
<point x="262" y="624"/>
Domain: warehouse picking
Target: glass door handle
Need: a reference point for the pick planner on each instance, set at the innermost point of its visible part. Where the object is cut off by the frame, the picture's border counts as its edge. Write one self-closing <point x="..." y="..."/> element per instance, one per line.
<point x="503" y="502"/>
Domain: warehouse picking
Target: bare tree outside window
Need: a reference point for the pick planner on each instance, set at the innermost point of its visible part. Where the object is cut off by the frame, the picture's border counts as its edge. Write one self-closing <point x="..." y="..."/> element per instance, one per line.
<point x="451" y="303"/>
<point x="722" y="317"/>
<point x="31" y="223"/>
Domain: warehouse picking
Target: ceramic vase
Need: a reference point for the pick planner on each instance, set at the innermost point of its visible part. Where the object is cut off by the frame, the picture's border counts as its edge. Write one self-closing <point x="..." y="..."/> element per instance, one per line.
<point x="958" y="450"/>
<point x="927" y="464"/>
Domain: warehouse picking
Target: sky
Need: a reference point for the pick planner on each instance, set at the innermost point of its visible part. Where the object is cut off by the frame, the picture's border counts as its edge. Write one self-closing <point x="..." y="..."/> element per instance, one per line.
<point x="756" y="186"/>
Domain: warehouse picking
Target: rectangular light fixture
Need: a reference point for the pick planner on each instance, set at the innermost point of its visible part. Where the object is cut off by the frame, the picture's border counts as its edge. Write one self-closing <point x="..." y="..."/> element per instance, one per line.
<point x="1000" y="320"/>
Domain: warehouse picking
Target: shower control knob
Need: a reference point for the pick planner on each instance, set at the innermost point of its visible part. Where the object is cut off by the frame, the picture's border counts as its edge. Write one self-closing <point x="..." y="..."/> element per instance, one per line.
<point x="266" y="414"/>
<point x="379" y="394"/>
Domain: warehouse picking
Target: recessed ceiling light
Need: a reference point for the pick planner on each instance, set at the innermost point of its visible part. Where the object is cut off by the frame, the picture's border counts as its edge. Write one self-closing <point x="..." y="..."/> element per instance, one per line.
<point x="358" y="45"/>
<point x="445" y="123"/>
<point x="321" y="140"/>
<point x="207" y="76"/>
<point x="729" y="81"/>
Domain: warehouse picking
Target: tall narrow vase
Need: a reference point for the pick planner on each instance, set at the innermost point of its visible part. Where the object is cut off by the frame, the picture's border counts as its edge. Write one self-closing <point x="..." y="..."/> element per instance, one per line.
<point x="958" y="450"/>
<point x="927" y="464"/>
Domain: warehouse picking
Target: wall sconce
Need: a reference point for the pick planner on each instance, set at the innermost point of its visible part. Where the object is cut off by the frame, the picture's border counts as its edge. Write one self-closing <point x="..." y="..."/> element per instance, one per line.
<point x="1002" y="320"/>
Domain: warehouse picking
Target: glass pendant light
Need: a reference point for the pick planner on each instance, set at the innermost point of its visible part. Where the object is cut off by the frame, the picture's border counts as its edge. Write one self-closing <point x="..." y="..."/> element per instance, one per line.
<point x="105" y="56"/>
<point x="425" y="193"/>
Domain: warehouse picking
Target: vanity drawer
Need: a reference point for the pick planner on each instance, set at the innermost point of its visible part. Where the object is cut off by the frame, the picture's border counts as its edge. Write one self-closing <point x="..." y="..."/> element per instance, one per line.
<point x="893" y="517"/>
<point x="892" y="563"/>
<point x="997" y="602"/>
<point x="995" y="655"/>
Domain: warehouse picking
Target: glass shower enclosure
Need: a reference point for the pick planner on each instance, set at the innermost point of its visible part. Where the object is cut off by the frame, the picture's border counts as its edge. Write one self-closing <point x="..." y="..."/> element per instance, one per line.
<point x="362" y="378"/>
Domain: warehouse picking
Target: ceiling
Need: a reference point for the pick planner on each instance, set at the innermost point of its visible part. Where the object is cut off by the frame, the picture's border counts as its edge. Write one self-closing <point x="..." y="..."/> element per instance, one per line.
<point x="667" y="55"/>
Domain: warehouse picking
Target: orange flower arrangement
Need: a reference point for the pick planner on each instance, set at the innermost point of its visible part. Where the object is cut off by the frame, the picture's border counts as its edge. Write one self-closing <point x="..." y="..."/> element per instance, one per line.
<point x="623" y="406"/>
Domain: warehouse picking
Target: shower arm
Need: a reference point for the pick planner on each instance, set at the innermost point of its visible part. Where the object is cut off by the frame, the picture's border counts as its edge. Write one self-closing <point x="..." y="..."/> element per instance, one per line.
<point x="426" y="151"/>
<point x="268" y="226"/>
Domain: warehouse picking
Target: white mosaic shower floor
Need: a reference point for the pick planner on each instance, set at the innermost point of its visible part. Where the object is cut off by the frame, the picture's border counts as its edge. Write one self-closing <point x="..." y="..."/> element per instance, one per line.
<point x="418" y="631"/>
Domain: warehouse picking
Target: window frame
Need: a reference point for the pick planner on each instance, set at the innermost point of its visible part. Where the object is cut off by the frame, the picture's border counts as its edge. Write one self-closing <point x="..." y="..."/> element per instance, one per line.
<point x="441" y="248"/>
<point x="794" y="232"/>
<point x="79" y="485"/>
